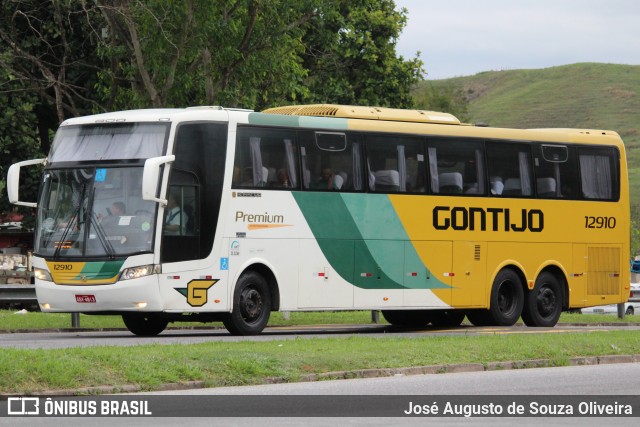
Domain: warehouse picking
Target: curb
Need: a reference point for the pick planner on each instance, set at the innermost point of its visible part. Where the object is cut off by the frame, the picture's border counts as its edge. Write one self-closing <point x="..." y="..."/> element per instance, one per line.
<point x="361" y="373"/>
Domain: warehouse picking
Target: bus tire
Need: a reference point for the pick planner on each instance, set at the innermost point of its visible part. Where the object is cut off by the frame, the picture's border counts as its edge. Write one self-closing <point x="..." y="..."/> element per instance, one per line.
<point x="543" y="304"/>
<point x="407" y="318"/>
<point x="507" y="298"/>
<point x="447" y="317"/>
<point x="144" y="325"/>
<point x="251" y="305"/>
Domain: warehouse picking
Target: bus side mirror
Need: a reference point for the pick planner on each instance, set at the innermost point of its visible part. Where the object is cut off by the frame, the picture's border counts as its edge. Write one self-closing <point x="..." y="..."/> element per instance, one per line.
<point x="150" y="177"/>
<point x="13" y="181"/>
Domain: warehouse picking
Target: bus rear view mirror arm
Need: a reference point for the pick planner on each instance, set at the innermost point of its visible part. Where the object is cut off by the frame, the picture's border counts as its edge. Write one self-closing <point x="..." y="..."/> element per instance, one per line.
<point x="150" y="177"/>
<point x="13" y="181"/>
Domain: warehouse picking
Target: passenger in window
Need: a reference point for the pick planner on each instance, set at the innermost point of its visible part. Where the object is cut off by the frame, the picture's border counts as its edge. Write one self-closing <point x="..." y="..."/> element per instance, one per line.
<point x="174" y="224"/>
<point x="117" y="210"/>
<point x="326" y="181"/>
<point x="283" y="178"/>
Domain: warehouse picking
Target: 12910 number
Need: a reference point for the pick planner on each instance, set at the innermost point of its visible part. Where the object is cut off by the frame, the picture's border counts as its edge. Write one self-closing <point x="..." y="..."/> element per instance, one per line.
<point x="599" y="222"/>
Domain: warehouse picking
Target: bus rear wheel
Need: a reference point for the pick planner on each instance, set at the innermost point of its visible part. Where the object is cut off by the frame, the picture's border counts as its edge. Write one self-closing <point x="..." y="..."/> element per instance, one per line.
<point x="144" y="325"/>
<point x="407" y="318"/>
<point x="251" y="305"/>
<point x="543" y="304"/>
<point x="507" y="298"/>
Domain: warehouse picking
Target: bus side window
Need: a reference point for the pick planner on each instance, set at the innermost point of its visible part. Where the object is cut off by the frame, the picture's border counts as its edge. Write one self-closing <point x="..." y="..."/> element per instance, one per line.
<point x="394" y="164"/>
<point x="265" y="158"/>
<point x="456" y="167"/>
<point x="556" y="171"/>
<point x="599" y="173"/>
<point x="331" y="161"/>
<point x="509" y="166"/>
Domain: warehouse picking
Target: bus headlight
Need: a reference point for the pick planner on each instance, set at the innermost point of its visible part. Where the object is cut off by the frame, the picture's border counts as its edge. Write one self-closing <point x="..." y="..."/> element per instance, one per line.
<point x="137" y="272"/>
<point x="42" y="274"/>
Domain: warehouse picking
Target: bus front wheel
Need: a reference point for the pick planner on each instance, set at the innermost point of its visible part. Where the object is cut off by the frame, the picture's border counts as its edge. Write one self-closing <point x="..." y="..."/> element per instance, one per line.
<point x="144" y="325"/>
<point x="251" y="305"/>
<point x="507" y="298"/>
<point x="543" y="303"/>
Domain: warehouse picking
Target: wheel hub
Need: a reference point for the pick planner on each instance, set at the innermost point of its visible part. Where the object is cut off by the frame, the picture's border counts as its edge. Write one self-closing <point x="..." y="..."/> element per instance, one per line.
<point x="546" y="301"/>
<point x="250" y="304"/>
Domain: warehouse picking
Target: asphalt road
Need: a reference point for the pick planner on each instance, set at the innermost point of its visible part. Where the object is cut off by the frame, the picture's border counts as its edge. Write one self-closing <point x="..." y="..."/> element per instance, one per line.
<point x="565" y="385"/>
<point x="48" y="340"/>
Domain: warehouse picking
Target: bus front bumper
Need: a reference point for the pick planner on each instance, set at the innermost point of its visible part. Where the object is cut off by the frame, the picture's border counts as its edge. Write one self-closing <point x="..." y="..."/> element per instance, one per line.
<point x="135" y="295"/>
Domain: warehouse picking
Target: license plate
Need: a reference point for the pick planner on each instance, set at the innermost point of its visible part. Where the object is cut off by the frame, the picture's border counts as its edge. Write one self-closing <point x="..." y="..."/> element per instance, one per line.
<point x="86" y="298"/>
<point x="595" y="310"/>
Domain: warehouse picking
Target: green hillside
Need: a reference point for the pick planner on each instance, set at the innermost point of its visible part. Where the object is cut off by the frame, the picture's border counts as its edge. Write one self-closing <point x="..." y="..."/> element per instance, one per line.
<point x="589" y="95"/>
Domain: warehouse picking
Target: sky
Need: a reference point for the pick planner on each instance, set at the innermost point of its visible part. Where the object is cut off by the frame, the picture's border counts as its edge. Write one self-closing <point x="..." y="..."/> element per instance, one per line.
<point x="465" y="37"/>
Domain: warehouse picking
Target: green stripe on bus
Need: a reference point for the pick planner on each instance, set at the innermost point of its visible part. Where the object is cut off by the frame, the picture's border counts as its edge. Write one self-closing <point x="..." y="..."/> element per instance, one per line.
<point x="381" y="247"/>
<point x="100" y="270"/>
<point x="298" y="121"/>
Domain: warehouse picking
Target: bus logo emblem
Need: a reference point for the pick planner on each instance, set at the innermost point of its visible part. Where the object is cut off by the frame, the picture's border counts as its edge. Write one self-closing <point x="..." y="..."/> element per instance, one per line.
<point x="197" y="291"/>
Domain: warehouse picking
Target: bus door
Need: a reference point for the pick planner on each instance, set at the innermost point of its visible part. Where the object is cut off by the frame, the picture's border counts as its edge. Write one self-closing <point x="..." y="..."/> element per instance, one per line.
<point x="191" y="278"/>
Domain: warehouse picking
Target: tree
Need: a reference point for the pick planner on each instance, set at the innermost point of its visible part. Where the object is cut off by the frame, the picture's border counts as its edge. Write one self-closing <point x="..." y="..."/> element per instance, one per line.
<point x="19" y="140"/>
<point x="47" y="69"/>
<point x="79" y="57"/>
<point x="255" y="53"/>
<point x="351" y="57"/>
<point x="48" y="52"/>
<point x="231" y="53"/>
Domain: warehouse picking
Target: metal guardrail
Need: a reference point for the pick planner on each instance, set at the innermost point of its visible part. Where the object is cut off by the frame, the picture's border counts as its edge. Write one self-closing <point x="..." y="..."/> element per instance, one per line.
<point x="16" y="287"/>
<point x="17" y="294"/>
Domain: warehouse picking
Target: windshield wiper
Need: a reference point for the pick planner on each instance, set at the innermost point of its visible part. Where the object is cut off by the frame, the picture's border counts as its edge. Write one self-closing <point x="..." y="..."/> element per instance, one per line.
<point x="65" y="232"/>
<point x="102" y="236"/>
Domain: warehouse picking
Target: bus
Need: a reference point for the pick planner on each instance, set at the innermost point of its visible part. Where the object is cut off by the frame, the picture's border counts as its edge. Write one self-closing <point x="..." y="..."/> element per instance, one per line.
<point x="214" y="214"/>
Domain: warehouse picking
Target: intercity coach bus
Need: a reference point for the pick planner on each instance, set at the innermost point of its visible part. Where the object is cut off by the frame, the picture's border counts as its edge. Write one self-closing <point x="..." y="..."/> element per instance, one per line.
<point x="214" y="214"/>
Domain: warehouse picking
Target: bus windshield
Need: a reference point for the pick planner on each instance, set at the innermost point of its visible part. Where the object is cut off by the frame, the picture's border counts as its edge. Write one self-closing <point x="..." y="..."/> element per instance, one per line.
<point x="93" y="212"/>
<point x="109" y="142"/>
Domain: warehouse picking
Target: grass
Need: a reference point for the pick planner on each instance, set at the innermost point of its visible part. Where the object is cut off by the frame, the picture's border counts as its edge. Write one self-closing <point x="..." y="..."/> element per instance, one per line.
<point x="241" y="363"/>
<point x="29" y="371"/>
